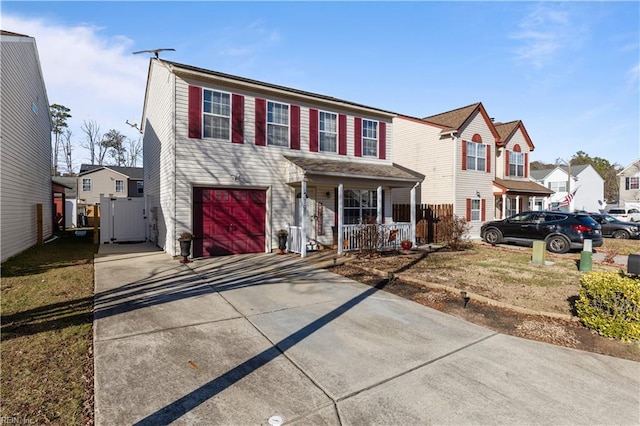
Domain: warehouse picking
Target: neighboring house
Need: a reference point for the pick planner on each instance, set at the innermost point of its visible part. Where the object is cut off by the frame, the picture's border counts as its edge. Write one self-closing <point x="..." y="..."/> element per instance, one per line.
<point x="585" y="183"/>
<point x="630" y="184"/>
<point x="480" y="167"/>
<point x="234" y="160"/>
<point x="66" y="201"/>
<point x="25" y="147"/>
<point x="111" y="181"/>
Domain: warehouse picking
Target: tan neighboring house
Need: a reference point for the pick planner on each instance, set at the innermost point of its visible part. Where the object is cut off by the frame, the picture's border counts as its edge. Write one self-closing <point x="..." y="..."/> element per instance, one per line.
<point x="25" y="146"/>
<point x="112" y="181"/>
<point x="630" y="184"/>
<point x="479" y="166"/>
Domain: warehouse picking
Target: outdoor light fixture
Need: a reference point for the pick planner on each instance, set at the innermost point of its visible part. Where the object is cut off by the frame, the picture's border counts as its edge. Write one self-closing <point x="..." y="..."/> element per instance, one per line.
<point x="478" y="194"/>
<point x="328" y="194"/>
<point x="465" y="298"/>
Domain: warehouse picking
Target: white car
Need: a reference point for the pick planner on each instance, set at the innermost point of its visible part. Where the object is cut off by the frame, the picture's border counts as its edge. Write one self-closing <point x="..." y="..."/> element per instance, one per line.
<point x="626" y="215"/>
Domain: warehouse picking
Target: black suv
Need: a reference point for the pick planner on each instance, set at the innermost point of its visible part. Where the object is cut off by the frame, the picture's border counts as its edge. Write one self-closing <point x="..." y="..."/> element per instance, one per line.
<point x="561" y="231"/>
<point x="616" y="228"/>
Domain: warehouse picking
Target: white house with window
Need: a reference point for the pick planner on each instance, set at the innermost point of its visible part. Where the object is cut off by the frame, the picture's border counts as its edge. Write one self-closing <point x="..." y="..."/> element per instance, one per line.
<point x="479" y="166"/>
<point x="579" y="187"/>
<point x="630" y="184"/>
<point x="235" y="160"/>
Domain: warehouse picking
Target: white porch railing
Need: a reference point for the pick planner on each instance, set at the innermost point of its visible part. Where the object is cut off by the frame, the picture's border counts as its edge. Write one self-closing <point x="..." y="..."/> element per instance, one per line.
<point x="294" y="240"/>
<point x="375" y="236"/>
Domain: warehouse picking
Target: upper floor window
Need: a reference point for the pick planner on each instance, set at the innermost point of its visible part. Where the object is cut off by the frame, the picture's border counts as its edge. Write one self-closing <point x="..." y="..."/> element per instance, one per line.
<point x="86" y="185"/>
<point x="516" y="163"/>
<point x="476" y="156"/>
<point x="119" y="185"/>
<point x="140" y="187"/>
<point x="369" y="138"/>
<point x="328" y="126"/>
<point x="277" y="124"/>
<point x="632" y="183"/>
<point x="560" y="186"/>
<point x="216" y="112"/>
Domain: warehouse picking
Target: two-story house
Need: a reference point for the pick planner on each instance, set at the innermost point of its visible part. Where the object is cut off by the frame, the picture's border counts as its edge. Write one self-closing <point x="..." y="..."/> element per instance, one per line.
<point x="630" y="184"/>
<point x="578" y="187"/>
<point x="113" y="181"/>
<point x="235" y="160"/>
<point x="25" y="150"/>
<point x="479" y="166"/>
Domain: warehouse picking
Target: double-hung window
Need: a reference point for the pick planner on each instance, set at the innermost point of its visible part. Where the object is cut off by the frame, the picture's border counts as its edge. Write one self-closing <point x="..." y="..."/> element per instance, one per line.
<point x="216" y="111"/>
<point x="476" y="156"/>
<point x="328" y="126"/>
<point x="516" y="164"/>
<point x="633" y="183"/>
<point x="140" y="187"/>
<point x="475" y="210"/>
<point x="360" y="206"/>
<point x="560" y="186"/>
<point x="119" y="185"/>
<point x="369" y="138"/>
<point x="277" y="124"/>
<point x="86" y="185"/>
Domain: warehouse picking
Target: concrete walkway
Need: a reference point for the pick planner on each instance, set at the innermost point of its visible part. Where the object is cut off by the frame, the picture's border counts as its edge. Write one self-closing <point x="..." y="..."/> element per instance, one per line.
<point x="240" y="340"/>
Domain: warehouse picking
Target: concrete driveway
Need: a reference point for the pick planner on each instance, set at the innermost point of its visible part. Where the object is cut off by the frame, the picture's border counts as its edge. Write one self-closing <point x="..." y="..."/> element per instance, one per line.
<point x="254" y="339"/>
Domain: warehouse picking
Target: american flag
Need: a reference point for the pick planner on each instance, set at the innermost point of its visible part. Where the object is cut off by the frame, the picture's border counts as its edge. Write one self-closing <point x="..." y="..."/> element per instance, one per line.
<point x="567" y="200"/>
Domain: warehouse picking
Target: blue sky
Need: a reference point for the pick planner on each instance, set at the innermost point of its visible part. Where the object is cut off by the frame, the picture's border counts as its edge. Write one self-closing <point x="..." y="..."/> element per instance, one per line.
<point x="569" y="70"/>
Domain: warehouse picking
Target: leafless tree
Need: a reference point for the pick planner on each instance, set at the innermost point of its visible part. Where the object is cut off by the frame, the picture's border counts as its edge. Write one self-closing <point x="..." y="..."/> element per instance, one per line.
<point x="134" y="152"/>
<point x="91" y="130"/>
<point x="67" y="148"/>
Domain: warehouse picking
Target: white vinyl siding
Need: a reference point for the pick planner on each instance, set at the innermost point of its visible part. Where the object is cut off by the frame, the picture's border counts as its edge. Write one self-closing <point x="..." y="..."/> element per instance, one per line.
<point x="25" y="152"/>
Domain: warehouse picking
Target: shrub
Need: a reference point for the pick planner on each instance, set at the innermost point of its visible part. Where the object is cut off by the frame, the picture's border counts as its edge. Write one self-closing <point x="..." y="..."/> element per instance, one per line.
<point x="609" y="303"/>
<point x="455" y="231"/>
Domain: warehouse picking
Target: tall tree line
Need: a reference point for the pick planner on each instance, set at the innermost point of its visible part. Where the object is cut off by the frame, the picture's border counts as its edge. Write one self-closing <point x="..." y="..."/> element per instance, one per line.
<point x="111" y="148"/>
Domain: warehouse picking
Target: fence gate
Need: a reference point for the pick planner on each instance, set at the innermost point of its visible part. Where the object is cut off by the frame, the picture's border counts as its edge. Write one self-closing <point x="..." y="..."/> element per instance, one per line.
<point x="122" y="220"/>
<point x="428" y="225"/>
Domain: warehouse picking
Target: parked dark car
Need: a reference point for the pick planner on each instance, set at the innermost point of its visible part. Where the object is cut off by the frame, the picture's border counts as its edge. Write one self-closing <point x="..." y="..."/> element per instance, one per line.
<point x="616" y="228"/>
<point x="559" y="230"/>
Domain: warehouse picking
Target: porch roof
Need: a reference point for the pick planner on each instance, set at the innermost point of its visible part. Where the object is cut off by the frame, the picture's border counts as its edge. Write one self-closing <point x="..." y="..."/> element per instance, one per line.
<point x="522" y="187"/>
<point x="340" y="171"/>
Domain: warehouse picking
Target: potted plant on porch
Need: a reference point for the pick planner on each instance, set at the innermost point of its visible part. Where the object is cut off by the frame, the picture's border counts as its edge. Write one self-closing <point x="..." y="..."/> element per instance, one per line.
<point x="282" y="240"/>
<point x="406" y="245"/>
<point x="185" y="246"/>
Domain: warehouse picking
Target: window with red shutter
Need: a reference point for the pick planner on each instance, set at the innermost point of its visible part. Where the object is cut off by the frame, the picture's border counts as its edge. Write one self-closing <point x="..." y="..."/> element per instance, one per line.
<point x="195" y="112"/>
<point x="382" y="140"/>
<point x="295" y="127"/>
<point x="313" y="130"/>
<point x="261" y="122"/>
<point x="237" y="119"/>
<point x="342" y="134"/>
<point x="357" y="136"/>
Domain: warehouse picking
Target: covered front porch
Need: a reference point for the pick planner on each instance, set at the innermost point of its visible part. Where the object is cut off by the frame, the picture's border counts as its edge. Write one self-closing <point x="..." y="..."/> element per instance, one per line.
<point x="346" y="205"/>
<point x="515" y="196"/>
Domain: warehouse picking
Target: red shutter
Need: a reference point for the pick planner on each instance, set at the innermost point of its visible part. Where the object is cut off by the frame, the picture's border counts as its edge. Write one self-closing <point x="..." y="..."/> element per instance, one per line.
<point x="195" y="112"/>
<point x="483" y="214"/>
<point x="261" y="122"/>
<point x="627" y="183"/>
<point x="237" y="119"/>
<point x="342" y="134"/>
<point x="357" y="137"/>
<point x="382" y="137"/>
<point x="506" y="162"/>
<point x="488" y="158"/>
<point x="295" y="127"/>
<point x="464" y="155"/>
<point x="526" y="164"/>
<point x="468" y="209"/>
<point x="313" y="130"/>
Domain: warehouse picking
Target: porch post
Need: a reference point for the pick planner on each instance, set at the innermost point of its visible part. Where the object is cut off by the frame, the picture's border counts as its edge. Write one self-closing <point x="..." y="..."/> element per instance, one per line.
<point x="340" y="217"/>
<point x="413" y="214"/>
<point x="303" y="219"/>
<point x="379" y="206"/>
<point x="504" y="206"/>
<point x="532" y="203"/>
<point x="517" y="204"/>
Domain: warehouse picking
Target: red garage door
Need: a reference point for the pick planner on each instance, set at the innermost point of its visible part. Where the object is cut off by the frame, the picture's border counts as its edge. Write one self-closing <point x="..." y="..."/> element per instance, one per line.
<point x="229" y="221"/>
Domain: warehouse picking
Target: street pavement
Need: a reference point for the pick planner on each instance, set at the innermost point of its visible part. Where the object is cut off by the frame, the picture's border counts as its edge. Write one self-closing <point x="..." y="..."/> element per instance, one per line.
<point x="266" y="339"/>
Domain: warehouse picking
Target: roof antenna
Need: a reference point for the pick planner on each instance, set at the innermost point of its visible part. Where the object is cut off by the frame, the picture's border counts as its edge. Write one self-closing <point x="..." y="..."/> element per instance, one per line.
<point x="154" y="51"/>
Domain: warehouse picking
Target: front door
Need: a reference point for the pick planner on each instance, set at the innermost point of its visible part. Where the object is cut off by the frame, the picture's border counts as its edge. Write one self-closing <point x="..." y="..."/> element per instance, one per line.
<point x="229" y="221"/>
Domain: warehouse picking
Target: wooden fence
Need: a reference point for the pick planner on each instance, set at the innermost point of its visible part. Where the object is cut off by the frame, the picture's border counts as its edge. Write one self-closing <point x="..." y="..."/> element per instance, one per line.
<point x="428" y="227"/>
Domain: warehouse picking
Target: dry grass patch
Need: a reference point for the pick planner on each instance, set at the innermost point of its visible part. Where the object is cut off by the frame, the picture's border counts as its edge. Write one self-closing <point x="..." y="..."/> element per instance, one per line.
<point x="47" y="299"/>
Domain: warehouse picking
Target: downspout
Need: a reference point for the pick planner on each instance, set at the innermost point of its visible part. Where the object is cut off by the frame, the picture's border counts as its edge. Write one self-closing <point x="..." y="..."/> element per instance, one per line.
<point x="413" y="213"/>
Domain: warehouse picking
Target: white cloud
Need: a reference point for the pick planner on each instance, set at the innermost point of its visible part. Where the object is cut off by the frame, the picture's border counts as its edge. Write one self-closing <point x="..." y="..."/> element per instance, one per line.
<point x="94" y="75"/>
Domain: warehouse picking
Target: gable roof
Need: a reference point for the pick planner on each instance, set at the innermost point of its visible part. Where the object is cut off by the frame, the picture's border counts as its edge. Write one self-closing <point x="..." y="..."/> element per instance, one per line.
<point x="457" y="119"/>
<point x="508" y="130"/>
<point x="522" y="186"/>
<point x="135" y="173"/>
<point x="634" y="164"/>
<point x="9" y="33"/>
<point x="541" y="174"/>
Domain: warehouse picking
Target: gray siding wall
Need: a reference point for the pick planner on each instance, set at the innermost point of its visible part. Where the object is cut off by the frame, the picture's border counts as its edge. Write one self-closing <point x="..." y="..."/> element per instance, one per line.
<point x="159" y="157"/>
<point x="629" y="195"/>
<point x="25" y="146"/>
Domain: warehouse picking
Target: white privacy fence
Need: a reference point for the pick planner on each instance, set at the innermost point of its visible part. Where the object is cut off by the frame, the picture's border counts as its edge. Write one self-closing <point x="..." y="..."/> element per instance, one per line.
<point x="375" y="236"/>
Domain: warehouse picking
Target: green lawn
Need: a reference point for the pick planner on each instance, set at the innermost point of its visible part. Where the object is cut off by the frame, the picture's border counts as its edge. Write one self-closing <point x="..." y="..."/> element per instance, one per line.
<point x="46" y="349"/>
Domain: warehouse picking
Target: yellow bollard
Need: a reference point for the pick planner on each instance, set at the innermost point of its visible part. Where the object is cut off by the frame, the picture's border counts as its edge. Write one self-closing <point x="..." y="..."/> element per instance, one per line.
<point x="539" y="250"/>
